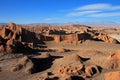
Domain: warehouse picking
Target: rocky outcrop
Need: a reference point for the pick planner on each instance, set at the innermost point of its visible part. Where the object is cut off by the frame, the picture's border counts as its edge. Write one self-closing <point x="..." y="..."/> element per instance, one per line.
<point x="69" y="65"/>
<point x="23" y="64"/>
<point x="73" y="38"/>
<point x="82" y="37"/>
<point x="72" y="67"/>
<point x="13" y="31"/>
<point x="105" y="38"/>
<point x="11" y="39"/>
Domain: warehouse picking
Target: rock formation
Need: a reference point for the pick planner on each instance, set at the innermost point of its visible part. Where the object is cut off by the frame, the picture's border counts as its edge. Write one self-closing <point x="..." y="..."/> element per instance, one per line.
<point x="23" y="64"/>
<point x="11" y="39"/>
<point x="105" y="38"/>
<point x="73" y="38"/>
<point x="72" y="34"/>
<point x="70" y="65"/>
<point x="13" y="34"/>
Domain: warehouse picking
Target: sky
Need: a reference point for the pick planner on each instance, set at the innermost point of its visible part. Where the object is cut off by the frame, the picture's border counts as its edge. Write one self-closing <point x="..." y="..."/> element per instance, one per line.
<point x="59" y="11"/>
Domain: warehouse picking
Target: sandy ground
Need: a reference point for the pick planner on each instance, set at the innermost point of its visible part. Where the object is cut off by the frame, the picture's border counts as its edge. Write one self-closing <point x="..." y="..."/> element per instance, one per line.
<point x="88" y="45"/>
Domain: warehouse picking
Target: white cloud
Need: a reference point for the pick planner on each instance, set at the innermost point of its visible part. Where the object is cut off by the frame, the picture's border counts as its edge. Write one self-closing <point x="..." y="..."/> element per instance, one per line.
<point x="96" y="10"/>
<point x="99" y="6"/>
<point x="50" y="19"/>
<point x="111" y="14"/>
<point x="82" y="13"/>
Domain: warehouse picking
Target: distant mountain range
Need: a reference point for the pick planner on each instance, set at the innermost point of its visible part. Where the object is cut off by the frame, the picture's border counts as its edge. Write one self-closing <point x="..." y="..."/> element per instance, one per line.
<point x="102" y="24"/>
<point x="92" y="24"/>
<point x="3" y="23"/>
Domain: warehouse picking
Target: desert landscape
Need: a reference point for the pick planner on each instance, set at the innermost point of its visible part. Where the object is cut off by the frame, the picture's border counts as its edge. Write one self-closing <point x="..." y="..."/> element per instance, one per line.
<point x="67" y="52"/>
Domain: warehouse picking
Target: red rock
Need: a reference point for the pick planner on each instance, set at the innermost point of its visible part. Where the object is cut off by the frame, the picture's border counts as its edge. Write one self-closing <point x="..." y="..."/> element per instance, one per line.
<point x="10" y="37"/>
<point x="106" y="38"/>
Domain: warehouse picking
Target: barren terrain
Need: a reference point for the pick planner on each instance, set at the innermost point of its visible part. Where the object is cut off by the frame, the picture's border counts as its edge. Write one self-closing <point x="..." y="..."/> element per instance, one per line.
<point x="70" y="52"/>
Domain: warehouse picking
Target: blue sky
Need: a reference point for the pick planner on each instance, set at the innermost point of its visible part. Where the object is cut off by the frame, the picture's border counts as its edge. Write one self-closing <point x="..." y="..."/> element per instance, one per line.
<point x="56" y="11"/>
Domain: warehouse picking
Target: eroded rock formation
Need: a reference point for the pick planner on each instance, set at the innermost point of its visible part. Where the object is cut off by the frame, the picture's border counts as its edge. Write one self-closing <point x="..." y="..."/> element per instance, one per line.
<point x="72" y="34"/>
<point x="106" y="38"/>
<point x="23" y="64"/>
<point x="11" y="39"/>
<point x="16" y="38"/>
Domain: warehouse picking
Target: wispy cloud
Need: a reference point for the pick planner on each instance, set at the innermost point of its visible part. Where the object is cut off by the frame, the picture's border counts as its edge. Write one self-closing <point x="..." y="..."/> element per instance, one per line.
<point x="81" y="13"/>
<point x="96" y="10"/>
<point x="99" y="6"/>
<point x="112" y="14"/>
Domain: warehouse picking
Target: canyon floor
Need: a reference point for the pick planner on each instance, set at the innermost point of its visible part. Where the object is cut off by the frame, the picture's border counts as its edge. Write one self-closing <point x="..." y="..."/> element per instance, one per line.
<point x="94" y="53"/>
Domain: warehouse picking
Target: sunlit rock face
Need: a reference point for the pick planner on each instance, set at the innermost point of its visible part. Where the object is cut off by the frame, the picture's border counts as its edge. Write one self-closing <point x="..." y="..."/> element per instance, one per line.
<point x="115" y="36"/>
<point x="11" y="39"/>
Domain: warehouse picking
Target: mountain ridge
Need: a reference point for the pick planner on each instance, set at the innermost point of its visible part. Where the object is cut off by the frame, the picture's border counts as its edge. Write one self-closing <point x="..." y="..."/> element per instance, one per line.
<point x="92" y="24"/>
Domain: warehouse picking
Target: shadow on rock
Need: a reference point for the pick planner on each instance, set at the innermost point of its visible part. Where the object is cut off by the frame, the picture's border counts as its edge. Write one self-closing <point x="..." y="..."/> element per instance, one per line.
<point x="41" y="64"/>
